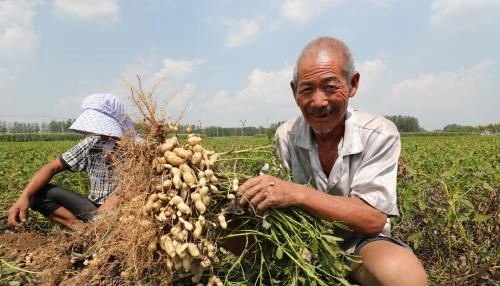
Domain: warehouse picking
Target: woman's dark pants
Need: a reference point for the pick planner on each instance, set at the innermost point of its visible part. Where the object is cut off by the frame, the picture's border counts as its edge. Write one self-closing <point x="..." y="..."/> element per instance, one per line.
<point x="52" y="197"/>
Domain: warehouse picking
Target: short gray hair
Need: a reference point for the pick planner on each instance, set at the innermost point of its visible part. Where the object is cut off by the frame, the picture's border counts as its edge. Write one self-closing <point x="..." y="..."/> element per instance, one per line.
<point x="331" y="44"/>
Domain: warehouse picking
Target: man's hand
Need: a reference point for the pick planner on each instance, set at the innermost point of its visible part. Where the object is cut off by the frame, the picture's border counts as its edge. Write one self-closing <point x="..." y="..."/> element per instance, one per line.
<point x="18" y="212"/>
<point x="264" y="192"/>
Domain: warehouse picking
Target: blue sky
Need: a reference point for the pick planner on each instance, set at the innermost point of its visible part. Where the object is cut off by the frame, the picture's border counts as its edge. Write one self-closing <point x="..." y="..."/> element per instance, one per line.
<point x="228" y="61"/>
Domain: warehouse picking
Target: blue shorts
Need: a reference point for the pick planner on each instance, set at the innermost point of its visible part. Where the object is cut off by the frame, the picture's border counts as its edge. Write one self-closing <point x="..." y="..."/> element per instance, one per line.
<point x="367" y="240"/>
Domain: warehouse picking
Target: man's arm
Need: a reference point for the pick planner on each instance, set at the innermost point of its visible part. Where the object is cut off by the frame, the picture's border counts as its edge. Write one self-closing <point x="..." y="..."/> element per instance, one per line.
<point x="18" y="212"/>
<point x="264" y="192"/>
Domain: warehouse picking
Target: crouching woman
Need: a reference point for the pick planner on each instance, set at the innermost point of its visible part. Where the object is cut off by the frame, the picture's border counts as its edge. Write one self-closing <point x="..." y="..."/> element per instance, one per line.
<point x="104" y="121"/>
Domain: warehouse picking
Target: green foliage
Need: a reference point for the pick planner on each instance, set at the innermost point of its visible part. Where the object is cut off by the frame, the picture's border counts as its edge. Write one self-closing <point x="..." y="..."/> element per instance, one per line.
<point x="448" y="199"/>
<point x="434" y="134"/>
<point x="25" y="137"/>
<point x="405" y="123"/>
<point x="23" y="127"/>
<point x="447" y="188"/>
<point x="490" y="128"/>
<point x="286" y="247"/>
<point x="215" y="131"/>
<point x="281" y="247"/>
<point x="60" y="126"/>
<point x="20" y="160"/>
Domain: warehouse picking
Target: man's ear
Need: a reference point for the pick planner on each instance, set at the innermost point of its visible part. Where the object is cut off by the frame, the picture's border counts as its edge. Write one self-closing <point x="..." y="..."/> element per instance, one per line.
<point x="354" y="84"/>
<point x="294" y="88"/>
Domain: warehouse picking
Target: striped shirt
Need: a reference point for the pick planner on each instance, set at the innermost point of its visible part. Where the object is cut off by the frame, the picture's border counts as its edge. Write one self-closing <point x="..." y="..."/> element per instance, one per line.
<point x="91" y="155"/>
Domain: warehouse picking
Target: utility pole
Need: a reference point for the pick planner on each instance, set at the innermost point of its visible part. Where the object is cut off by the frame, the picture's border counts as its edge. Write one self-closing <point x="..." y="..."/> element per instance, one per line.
<point x="243" y="125"/>
<point x="267" y="123"/>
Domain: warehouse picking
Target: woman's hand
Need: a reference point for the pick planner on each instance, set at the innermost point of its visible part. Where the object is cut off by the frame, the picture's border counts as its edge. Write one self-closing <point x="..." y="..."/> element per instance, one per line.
<point x="18" y="212"/>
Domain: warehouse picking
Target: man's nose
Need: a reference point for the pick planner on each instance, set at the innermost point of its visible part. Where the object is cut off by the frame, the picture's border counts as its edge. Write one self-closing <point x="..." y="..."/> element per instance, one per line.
<point x="319" y="98"/>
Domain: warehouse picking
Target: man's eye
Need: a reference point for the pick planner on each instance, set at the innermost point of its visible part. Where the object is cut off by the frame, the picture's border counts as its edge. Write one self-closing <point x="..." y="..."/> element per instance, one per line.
<point x="306" y="90"/>
<point x="330" y="88"/>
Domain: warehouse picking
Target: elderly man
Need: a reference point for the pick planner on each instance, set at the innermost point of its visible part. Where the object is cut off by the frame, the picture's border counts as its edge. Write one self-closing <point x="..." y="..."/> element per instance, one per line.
<point x="349" y="157"/>
<point x="104" y="121"/>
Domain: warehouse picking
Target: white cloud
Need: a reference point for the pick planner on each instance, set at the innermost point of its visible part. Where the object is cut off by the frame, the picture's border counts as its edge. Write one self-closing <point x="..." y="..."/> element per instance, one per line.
<point x="465" y="96"/>
<point x="141" y="68"/>
<point x="265" y="98"/>
<point x="463" y="83"/>
<point x="301" y="11"/>
<point x="69" y="106"/>
<point x="8" y="75"/>
<point x="172" y="74"/>
<point x="241" y="32"/>
<point x="18" y="38"/>
<point x="88" y="9"/>
<point x="382" y="3"/>
<point x="270" y="86"/>
<point x="373" y="73"/>
<point x="375" y="79"/>
<point x="458" y="15"/>
<point x="177" y="69"/>
<point x="173" y="94"/>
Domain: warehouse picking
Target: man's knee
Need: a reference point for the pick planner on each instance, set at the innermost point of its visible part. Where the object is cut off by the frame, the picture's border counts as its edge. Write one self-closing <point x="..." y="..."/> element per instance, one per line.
<point x="386" y="263"/>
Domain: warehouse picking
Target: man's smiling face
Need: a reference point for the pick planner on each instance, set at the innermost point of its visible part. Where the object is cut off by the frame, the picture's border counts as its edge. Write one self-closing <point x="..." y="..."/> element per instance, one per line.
<point x="322" y="90"/>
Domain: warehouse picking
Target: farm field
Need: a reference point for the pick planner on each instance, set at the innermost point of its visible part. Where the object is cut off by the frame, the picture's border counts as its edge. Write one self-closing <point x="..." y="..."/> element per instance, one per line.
<point x="20" y="160"/>
<point x="447" y="189"/>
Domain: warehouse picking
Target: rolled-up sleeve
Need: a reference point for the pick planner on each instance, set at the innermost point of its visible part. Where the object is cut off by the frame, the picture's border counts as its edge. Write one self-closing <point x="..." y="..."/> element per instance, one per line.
<point x="375" y="179"/>
<point x="281" y="140"/>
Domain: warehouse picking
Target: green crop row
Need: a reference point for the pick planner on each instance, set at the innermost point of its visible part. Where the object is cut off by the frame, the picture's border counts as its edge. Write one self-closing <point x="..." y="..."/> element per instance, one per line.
<point x="447" y="191"/>
<point x="25" y="137"/>
<point x="450" y="208"/>
<point x="20" y="160"/>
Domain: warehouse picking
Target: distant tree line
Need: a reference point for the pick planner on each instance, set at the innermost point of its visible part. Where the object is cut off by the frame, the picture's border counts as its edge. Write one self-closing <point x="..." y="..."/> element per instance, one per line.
<point x="23" y="127"/>
<point x="405" y="123"/>
<point x="212" y="131"/>
<point x="217" y="131"/>
<point x="490" y="128"/>
<point x="24" y="137"/>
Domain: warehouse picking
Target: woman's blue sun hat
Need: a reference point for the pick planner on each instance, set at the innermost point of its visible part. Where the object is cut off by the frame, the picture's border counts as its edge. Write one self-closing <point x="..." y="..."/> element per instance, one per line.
<point x="103" y="114"/>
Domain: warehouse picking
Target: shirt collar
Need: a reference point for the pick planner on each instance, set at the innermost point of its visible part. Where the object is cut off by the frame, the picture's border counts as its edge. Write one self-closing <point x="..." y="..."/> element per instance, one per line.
<point x="304" y="136"/>
<point x="351" y="142"/>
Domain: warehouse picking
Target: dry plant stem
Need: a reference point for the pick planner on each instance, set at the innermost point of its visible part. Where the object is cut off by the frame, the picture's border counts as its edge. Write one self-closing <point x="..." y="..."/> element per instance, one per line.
<point x="182" y="113"/>
<point x="244" y="150"/>
<point x="18" y="269"/>
<point x="145" y="102"/>
<point x="481" y="271"/>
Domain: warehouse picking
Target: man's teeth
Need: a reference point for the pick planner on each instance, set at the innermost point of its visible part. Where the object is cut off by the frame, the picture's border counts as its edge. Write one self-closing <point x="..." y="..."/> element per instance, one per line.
<point x="321" y="115"/>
